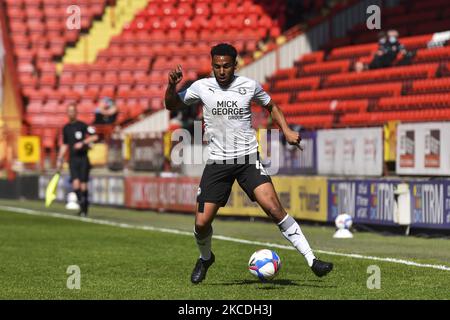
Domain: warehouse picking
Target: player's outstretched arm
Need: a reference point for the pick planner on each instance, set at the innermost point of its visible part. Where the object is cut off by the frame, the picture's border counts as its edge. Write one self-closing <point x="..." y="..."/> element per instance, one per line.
<point x="172" y="101"/>
<point x="292" y="137"/>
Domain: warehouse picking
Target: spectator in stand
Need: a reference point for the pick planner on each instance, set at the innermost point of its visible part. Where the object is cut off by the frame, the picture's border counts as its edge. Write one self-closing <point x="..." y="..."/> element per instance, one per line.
<point x="397" y="47"/>
<point x="106" y="112"/>
<point x="388" y="49"/>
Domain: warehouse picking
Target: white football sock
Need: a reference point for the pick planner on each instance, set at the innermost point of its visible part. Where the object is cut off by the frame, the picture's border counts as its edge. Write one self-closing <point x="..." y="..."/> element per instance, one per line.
<point x="293" y="233"/>
<point x="204" y="244"/>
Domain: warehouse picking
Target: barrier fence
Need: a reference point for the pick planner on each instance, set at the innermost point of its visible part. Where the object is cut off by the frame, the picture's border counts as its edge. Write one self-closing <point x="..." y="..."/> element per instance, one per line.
<point x="367" y="201"/>
<point x="430" y="204"/>
<point x="389" y="202"/>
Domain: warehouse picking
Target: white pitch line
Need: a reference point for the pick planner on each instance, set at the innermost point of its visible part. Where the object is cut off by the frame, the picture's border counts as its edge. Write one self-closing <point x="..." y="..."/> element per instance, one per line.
<point x="219" y="237"/>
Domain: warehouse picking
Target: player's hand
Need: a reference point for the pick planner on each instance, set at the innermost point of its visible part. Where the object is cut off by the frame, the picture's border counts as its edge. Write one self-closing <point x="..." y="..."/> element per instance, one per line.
<point x="293" y="138"/>
<point x="175" y="76"/>
<point x="78" y="145"/>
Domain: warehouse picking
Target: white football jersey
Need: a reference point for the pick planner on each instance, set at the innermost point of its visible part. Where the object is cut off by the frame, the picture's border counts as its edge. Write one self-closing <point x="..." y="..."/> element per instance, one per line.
<point x="227" y="114"/>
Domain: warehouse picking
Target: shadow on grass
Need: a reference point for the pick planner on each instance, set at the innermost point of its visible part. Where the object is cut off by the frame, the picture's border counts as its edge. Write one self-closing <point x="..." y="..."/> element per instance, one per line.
<point x="273" y="284"/>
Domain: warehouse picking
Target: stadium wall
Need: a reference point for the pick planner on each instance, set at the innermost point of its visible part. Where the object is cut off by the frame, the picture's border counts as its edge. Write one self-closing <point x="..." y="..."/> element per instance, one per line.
<point x="346" y="19"/>
<point x="103" y="189"/>
<point x="23" y="187"/>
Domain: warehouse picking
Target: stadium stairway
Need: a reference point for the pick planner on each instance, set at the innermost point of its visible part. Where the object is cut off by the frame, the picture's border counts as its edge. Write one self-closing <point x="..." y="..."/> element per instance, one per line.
<point x="39" y="36"/>
<point x="132" y="69"/>
<point x="99" y="36"/>
<point x="165" y="35"/>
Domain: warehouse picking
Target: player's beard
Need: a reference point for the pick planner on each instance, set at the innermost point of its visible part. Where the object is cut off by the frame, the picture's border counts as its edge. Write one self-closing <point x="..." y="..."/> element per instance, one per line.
<point x="224" y="82"/>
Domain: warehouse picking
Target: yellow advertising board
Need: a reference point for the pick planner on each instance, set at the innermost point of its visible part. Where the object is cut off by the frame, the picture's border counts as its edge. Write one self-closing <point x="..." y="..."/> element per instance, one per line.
<point x="127" y="147"/>
<point x="98" y="154"/>
<point x="309" y="198"/>
<point x="302" y="197"/>
<point x="390" y="140"/>
<point x="29" y="149"/>
<point x="167" y="144"/>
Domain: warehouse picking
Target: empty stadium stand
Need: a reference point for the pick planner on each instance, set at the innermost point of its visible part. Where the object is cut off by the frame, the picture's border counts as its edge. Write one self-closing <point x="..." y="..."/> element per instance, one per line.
<point x="133" y="68"/>
<point x="324" y="90"/>
<point x="320" y="90"/>
<point x="326" y="84"/>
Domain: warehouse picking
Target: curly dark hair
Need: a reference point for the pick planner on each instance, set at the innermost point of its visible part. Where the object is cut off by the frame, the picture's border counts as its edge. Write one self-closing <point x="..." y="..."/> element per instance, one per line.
<point x="224" y="49"/>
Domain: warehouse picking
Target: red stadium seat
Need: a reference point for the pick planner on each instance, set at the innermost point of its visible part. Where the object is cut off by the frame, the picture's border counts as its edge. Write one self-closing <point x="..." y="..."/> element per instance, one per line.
<point x="434" y="54"/>
<point x="376" y="118"/>
<point x="308" y="83"/>
<point x="352" y="93"/>
<point x="416" y="42"/>
<point x="69" y="94"/>
<point x="324" y="68"/>
<point x="48" y="136"/>
<point x="382" y="75"/>
<point x="336" y="106"/>
<point x="311" y="122"/>
<point x="415" y="102"/>
<point x="313" y="57"/>
<point x="86" y="107"/>
<point x="284" y="74"/>
<point x="34" y="107"/>
<point x="431" y="86"/>
<point x="126" y="77"/>
<point x="95" y="77"/>
<point x="48" y="79"/>
<point x="352" y="51"/>
<point x="92" y="92"/>
<point x="281" y="98"/>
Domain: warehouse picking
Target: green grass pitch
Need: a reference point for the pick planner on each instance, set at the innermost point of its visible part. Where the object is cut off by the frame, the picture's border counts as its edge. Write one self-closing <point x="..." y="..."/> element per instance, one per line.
<point x="127" y="263"/>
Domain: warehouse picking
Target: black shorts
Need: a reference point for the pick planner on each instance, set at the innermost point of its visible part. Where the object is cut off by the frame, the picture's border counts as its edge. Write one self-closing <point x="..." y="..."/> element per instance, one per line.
<point x="79" y="169"/>
<point x="218" y="178"/>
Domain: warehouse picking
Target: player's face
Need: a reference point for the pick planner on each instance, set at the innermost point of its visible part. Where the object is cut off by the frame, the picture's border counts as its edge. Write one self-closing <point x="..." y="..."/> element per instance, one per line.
<point x="223" y="68"/>
<point x="72" y="113"/>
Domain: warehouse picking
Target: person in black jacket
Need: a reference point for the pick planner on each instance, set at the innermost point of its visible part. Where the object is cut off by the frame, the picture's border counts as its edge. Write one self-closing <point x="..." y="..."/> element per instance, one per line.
<point x="76" y="138"/>
<point x="106" y="112"/>
<point x="389" y="47"/>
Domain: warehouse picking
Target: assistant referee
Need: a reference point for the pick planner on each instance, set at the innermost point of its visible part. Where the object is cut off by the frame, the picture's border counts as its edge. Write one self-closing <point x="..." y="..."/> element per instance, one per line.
<point x="77" y="136"/>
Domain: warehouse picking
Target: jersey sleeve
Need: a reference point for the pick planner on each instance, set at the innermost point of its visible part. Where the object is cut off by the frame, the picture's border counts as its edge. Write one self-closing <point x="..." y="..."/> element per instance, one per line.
<point x="191" y="95"/>
<point x="260" y="96"/>
<point x="90" y="130"/>
<point x="65" y="135"/>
